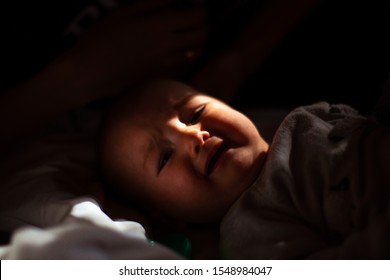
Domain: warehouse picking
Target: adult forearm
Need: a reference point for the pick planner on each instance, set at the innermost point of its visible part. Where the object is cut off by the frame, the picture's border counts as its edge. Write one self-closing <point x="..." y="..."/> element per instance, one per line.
<point x="225" y="73"/>
<point x="52" y="92"/>
<point x="267" y="30"/>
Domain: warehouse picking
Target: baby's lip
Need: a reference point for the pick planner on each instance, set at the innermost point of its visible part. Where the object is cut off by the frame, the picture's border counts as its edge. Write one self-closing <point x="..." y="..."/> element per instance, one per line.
<point x="212" y="158"/>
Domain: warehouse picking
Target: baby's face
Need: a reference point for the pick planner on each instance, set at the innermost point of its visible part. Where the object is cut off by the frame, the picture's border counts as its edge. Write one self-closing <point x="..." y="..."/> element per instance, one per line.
<point x="192" y="154"/>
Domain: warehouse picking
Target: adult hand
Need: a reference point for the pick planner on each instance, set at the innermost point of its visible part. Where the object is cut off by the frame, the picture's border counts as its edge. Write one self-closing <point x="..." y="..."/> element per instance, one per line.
<point x="137" y="42"/>
<point x="222" y="77"/>
<point x="225" y="74"/>
<point x="133" y="43"/>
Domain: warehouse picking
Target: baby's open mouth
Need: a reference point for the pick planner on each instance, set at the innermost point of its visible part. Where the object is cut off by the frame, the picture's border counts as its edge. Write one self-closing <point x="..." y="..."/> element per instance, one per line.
<point x="214" y="156"/>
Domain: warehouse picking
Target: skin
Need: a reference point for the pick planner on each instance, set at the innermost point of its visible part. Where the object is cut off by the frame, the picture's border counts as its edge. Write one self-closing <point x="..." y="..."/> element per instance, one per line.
<point x="140" y="41"/>
<point x="266" y="30"/>
<point x="188" y="154"/>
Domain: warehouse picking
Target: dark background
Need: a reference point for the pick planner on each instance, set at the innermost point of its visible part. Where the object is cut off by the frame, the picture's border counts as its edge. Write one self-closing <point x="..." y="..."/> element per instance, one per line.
<point x="340" y="53"/>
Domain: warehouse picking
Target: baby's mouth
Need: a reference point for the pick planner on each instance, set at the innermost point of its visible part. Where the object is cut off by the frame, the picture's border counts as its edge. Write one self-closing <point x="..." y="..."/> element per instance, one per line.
<point x="214" y="156"/>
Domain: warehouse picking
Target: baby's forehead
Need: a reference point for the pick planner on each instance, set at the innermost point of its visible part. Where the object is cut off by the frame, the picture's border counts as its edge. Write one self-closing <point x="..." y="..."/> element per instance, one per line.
<point x="172" y="94"/>
<point x="159" y="100"/>
<point x="151" y="100"/>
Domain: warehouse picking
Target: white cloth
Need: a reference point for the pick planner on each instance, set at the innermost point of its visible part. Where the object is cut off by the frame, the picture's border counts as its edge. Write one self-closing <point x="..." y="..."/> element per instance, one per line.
<point x="39" y="177"/>
<point x="49" y="188"/>
<point x="85" y="233"/>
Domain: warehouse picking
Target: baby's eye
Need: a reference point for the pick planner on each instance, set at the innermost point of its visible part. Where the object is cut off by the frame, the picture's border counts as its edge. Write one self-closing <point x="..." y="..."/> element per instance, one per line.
<point x="197" y="114"/>
<point x="165" y="157"/>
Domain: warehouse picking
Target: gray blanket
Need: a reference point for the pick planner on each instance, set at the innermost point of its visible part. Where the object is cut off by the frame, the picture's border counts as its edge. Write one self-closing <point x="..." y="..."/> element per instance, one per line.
<point x="323" y="192"/>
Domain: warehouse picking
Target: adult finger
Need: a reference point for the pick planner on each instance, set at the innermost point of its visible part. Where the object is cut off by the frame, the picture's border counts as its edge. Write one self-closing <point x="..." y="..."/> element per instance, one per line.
<point x="183" y="57"/>
<point x="186" y="19"/>
<point x="192" y="38"/>
<point x="141" y="7"/>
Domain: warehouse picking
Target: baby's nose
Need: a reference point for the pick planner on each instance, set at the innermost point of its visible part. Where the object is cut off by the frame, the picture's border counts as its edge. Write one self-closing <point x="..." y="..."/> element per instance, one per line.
<point x="195" y="140"/>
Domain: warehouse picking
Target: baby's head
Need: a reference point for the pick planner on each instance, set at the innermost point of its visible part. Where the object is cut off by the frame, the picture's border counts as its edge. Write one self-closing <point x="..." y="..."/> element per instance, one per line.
<point x="180" y="152"/>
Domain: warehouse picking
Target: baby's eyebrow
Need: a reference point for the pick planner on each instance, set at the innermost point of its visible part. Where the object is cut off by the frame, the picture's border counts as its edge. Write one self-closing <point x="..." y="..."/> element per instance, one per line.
<point x="184" y="100"/>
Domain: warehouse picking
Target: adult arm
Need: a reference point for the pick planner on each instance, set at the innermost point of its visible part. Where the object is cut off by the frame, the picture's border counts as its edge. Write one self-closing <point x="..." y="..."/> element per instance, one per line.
<point x="132" y="44"/>
<point x="225" y="73"/>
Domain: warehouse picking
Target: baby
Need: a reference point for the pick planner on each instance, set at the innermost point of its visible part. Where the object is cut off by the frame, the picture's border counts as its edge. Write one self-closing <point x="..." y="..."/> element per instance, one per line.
<point x="184" y="154"/>
<point x="321" y="190"/>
